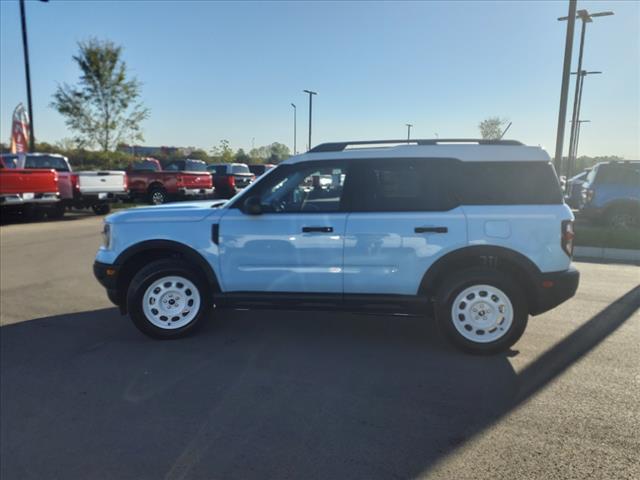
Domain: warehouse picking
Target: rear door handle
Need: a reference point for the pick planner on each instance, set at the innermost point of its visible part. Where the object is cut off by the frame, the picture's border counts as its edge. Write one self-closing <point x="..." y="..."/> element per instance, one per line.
<point x="317" y="229"/>
<point x="431" y="229"/>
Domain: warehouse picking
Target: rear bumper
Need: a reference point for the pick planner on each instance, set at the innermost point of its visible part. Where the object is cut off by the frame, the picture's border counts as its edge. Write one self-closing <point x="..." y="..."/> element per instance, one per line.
<point x="552" y="289"/>
<point x="195" y="192"/>
<point x="23" y="199"/>
<point x="102" y="196"/>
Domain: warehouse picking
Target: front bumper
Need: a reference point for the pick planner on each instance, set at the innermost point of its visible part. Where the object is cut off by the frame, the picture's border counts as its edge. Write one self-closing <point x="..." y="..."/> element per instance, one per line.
<point x="195" y="192"/>
<point x="554" y="288"/>
<point x="107" y="275"/>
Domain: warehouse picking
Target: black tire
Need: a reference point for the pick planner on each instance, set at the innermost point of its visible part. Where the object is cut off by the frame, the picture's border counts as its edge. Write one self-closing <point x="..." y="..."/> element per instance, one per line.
<point x="459" y="281"/>
<point x="33" y="212"/>
<point x="101" y="208"/>
<point x="158" y="196"/>
<point x="153" y="272"/>
<point x="623" y="217"/>
<point x="56" y="212"/>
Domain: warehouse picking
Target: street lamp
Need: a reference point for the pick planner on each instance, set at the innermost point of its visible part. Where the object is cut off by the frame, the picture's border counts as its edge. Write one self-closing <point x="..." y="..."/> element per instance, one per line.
<point x="409" y="125"/>
<point x="311" y="94"/>
<point x="295" y="135"/>
<point x="586" y="17"/>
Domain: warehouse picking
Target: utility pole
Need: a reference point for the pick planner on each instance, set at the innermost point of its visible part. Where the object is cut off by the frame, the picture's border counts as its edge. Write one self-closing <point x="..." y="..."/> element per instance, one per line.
<point x="311" y="94"/>
<point x="409" y="125"/>
<point x="574" y="146"/>
<point x="564" y="89"/>
<point x="27" y="74"/>
<point x="295" y="135"/>
<point x="585" y="17"/>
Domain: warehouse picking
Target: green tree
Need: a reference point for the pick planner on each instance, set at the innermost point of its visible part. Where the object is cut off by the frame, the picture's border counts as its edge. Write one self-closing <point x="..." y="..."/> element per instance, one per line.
<point x="274" y="153"/>
<point x="242" y="157"/>
<point x="222" y="152"/>
<point x="491" y="128"/>
<point x="199" y="154"/>
<point x="103" y="107"/>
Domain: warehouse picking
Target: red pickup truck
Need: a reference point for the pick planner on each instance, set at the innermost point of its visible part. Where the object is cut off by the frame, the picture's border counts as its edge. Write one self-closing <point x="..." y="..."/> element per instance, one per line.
<point x="32" y="192"/>
<point x="179" y="179"/>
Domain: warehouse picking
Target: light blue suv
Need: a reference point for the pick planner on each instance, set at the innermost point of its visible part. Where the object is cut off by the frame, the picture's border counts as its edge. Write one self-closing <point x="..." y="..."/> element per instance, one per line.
<point x="473" y="232"/>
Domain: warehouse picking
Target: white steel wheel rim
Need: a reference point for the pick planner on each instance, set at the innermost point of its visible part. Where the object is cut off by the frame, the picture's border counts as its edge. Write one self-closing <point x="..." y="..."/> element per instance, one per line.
<point x="482" y="313"/>
<point x="171" y="302"/>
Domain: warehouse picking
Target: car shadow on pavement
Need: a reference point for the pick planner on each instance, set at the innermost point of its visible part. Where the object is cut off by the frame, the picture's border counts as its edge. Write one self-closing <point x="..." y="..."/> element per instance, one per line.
<point x="258" y="394"/>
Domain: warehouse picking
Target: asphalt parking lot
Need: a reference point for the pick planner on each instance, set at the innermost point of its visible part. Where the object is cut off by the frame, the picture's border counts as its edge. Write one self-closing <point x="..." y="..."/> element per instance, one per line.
<point x="262" y="394"/>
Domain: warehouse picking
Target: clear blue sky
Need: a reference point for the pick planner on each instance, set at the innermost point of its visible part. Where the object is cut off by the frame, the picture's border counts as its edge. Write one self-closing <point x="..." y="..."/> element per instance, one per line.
<point x="214" y="70"/>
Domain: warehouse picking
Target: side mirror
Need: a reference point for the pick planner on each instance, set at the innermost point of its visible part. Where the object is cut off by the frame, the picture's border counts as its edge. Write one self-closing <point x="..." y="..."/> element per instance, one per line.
<point x="252" y="206"/>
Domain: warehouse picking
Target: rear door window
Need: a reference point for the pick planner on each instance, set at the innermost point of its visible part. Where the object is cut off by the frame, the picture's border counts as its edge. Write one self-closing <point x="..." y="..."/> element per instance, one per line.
<point x="402" y="185"/>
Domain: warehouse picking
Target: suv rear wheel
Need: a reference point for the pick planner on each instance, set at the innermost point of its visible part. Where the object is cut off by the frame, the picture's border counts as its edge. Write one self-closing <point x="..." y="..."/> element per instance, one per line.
<point x="167" y="299"/>
<point x="481" y="311"/>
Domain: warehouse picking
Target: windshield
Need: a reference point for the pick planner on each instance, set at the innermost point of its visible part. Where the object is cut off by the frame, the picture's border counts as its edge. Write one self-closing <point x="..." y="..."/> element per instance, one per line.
<point x="46" y="161"/>
<point x="238" y="168"/>
<point x="195" y="166"/>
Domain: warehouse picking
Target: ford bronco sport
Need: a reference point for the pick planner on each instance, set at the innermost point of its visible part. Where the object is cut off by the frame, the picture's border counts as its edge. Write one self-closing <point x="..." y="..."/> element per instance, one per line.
<point x="473" y="232"/>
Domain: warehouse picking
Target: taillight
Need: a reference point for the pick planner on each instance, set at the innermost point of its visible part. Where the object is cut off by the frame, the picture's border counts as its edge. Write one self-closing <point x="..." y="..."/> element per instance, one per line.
<point x="126" y="182"/>
<point x="232" y="181"/>
<point x="179" y="181"/>
<point x="588" y="194"/>
<point x="567" y="236"/>
<point x="74" y="182"/>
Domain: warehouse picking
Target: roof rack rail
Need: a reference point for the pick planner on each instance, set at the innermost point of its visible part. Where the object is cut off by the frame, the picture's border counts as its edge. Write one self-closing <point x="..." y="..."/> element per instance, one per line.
<point x="340" y="146"/>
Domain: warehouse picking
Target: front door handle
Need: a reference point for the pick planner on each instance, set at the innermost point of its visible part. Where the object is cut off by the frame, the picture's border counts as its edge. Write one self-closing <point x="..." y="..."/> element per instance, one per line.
<point x="317" y="229"/>
<point x="431" y="229"/>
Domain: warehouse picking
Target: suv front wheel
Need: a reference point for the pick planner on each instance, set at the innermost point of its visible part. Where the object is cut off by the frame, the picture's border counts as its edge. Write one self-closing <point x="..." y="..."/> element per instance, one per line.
<point x="167" y="299"/>
<point x="481" y="311"/>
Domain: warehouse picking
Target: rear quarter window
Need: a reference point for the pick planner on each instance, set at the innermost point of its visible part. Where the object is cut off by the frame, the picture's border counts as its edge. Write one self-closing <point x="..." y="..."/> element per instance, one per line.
<point x="507" y="183"/>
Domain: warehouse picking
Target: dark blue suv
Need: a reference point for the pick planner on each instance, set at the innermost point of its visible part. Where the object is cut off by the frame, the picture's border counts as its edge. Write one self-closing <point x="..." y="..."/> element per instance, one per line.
<point x="611" y="194"/>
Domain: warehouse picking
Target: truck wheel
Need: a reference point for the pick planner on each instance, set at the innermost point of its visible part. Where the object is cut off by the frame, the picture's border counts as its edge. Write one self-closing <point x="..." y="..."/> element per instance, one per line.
<point x="101" y="208"/>
<point x="623" y="217"/>
<point x="168" y="299"/>
<point x="56" y="212"/>
<point x="481" y="311"/>
<point x="157" y="196"/>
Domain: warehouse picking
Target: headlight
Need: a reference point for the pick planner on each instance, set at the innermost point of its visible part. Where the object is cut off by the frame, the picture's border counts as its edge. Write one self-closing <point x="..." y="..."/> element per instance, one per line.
<point x="106" y="236"/>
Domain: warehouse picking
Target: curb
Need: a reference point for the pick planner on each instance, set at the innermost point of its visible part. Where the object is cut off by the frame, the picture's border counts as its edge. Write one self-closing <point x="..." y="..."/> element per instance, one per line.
<point x="603" y="253"/>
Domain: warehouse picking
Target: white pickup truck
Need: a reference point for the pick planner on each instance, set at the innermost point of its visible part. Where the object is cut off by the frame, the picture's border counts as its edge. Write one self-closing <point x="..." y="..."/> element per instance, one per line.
<point x="86" y="189"/>
<point x="98" y="189"/>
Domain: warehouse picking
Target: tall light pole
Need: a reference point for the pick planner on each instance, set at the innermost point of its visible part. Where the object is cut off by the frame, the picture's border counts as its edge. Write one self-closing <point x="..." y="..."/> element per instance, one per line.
<point x="574" y="147"/>
<point x="311" y="94"/>
<point x="295" y="135"/>
<point x="586" y="17"/>
<point x="564" y="89"/>
<point x="409" y="125"/>
<point x="27" y="74"/>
